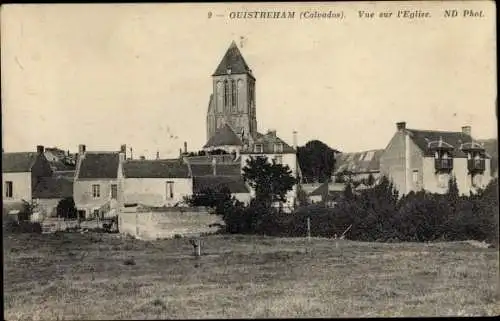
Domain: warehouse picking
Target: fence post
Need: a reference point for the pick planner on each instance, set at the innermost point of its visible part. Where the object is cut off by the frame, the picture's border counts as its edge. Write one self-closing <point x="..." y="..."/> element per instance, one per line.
<point x="309" y="229"/>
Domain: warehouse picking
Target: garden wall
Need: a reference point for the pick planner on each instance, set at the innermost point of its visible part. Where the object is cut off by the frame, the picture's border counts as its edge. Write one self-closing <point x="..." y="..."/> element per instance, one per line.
<point x="167" y="222"/>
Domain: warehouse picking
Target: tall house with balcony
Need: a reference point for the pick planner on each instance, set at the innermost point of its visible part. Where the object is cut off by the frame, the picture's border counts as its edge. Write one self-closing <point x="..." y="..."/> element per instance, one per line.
<point x="426" y="160"/>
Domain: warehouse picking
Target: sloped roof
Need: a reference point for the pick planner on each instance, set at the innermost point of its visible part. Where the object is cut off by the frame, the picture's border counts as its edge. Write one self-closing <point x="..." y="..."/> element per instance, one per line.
<point x="359" y="162"/>
<point x="320" y="190"/>
<point x="232" y="60"/>
<point x="162" y="168"/>
<point x="53" y="187"/>
<point x="235" y="184"/>
<point x="97" y="165"/>
<point x="224" y="136"/>
<point x="422" y="138"/>
<point x="18" y="162"/>
<point x="233" y="169"/>
<point x="268" y="142"/>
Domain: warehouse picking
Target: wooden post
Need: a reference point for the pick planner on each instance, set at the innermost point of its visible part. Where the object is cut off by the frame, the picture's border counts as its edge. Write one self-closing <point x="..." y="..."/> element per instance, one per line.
<point x="309" y="229"/>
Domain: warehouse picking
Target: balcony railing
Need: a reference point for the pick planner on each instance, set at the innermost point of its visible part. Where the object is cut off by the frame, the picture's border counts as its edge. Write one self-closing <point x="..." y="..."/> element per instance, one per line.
<point x="443" y="164"/>
<point x="476" y="165"/>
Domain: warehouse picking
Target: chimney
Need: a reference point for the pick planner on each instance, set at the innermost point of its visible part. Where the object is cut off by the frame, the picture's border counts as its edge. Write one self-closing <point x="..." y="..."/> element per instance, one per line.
<point x="185" y="147"/>
<point x="180" y="152"/>
<point x="214" y="166"/>
<point x="466" y="130"/>
<point x="81" y="149"/>
<point x="121" y="156"/>
<point x="131" y="155"/>
<point x="295" y="140"/>
<point x="40" y="149"/>
<point x="401" y="125"/>
<point x="123" y="148"/>
<point x="157" y="154"/>
<point x="142" y="157"/>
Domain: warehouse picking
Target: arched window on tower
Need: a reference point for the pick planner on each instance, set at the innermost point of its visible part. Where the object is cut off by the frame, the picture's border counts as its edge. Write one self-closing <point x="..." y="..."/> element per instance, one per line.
<point x="234" y="94"/>
<point x="226" y="93"/>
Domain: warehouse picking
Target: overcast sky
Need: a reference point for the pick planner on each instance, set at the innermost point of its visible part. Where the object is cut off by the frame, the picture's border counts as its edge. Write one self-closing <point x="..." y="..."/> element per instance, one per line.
<point x="105" y="75"/>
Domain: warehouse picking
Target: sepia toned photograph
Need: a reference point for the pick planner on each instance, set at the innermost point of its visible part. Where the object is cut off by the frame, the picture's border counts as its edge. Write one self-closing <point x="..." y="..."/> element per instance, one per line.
<point x="249" y="160"/>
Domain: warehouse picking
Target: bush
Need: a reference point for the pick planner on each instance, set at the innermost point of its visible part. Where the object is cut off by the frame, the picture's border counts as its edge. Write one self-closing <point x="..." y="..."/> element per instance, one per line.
<point x="22" y="227"/>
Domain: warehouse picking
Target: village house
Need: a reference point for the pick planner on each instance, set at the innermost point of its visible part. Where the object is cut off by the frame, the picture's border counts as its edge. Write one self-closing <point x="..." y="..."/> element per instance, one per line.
<point x="426" y="159"/>
<point x="21" y="172"/>
<point x="95" y="187"/>
<point x="358" y="166"/>
<point x="218" y="171"/>
<point x="49" y="192"/>
<point x="154" y="183"/>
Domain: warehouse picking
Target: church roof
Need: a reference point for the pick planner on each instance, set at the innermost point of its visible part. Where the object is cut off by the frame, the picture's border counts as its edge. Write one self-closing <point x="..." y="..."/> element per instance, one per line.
<point x="224" y="136"/>
<point x="234" y="61"/>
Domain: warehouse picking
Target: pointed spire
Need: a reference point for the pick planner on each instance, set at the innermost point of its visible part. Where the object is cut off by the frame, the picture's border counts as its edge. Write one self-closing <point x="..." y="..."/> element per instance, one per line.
<point x="232" y="62"/>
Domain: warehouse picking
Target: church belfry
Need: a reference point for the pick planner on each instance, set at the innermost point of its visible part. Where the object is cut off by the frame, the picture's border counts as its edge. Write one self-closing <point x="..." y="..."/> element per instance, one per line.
<point x="233" y="99"/>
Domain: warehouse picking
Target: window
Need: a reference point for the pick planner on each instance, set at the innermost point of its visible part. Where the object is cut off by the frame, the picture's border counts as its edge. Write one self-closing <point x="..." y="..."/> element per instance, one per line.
<point x="443" y="180"/>
<point x="226" y="93"/>
<point x="114" y="191"/>
<point x="234" y="95"/>
<point x="95" y="213"/>
<point x="8" y="189"/>
<point x="415" y="177"/>
<point x="258" y="148"/>
<point x="278" y="148"/>
<point x="278" y="159"/>
<point x="96" y="191"/>
<point x="170" y="190"/>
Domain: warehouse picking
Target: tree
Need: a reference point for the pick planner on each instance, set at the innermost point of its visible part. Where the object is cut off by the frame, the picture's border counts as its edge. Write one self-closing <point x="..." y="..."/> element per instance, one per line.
<point x="271" y="182"/>
<point x="66" y="208"/>
<point x="316" y="160"/>
<point x="453" y="193"/>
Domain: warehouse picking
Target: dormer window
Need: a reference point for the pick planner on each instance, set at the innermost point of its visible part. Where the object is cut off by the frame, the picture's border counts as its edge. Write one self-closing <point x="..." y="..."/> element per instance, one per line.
<point x="475" y="157"/>
<point x="443" y="158"/>
<point x="278" y="148"/>
<point x="258" y="148"/>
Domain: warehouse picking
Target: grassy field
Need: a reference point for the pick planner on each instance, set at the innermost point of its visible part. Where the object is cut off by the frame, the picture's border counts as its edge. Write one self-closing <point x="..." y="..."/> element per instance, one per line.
<point x="91" y="276"/>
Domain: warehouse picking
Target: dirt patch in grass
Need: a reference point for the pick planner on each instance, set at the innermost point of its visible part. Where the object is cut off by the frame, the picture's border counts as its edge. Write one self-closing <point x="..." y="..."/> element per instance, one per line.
<point x="71" y="276"/>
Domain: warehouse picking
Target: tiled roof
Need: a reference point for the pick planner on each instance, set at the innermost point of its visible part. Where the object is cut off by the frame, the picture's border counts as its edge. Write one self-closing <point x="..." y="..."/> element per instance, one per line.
<point x="422" y="138"/>
<point x="18" y="162"/>
<point x="268" y="142"/>
<point x="360" y="162"/>
<point x="97" y="165"/>
<point x="220" y="169"/>
<point x="236" y="184"/>
<point x="53" y="187"/>
<point x="155" y="169"/>
<point x="224" y="136"/>
<point x="232" y="60"/>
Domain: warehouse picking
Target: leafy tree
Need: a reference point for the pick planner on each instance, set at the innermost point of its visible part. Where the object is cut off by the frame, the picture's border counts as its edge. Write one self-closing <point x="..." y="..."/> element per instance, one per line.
<point x="453" y="193"/>
<point x="66" y="208"/>
<point x="270" y="181"/>
<point x="317" y="161"/>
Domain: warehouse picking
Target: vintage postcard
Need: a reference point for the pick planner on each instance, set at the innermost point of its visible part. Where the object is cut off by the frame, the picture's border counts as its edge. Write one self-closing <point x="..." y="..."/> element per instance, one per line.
<point x="249" y="160"/>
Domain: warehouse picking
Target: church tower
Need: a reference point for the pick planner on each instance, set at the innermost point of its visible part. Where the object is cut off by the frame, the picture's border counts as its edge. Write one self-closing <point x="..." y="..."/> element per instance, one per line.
<point x="232" y="101"/>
